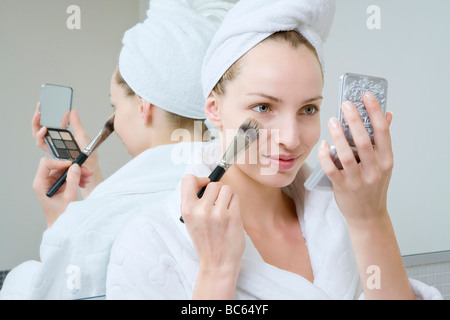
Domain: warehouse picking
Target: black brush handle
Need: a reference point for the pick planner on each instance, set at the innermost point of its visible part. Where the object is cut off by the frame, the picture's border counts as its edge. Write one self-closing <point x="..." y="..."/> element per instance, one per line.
<point x="215" y="176"/>
<point x="58" y="184"/>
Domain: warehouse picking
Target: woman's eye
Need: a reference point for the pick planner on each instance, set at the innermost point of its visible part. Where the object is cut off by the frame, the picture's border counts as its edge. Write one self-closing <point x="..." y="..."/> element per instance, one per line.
<point x="261" y="108"/>
<point x="310" y="110"/>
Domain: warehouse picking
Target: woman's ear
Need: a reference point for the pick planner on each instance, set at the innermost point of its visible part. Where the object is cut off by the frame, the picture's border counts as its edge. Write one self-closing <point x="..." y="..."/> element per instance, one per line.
<point x="212" y="110"/>
<point x="145" y="111"/>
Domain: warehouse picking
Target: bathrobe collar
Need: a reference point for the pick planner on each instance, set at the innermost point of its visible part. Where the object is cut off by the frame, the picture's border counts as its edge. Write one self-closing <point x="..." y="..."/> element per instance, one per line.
<point x="150" y="171"/>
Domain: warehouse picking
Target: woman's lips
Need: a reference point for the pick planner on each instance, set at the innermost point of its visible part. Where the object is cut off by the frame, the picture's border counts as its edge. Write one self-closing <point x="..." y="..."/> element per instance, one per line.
<point x="283" y="162"/>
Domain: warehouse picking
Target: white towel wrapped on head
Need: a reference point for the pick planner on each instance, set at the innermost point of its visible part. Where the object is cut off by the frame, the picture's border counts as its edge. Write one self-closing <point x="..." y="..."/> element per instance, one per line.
<point x="252" y="21"/>
<point x="161" y="58"/>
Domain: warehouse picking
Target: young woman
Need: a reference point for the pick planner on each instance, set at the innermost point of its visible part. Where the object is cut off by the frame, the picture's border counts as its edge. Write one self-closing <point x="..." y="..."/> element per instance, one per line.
<point x="255" y="235"/>
<point x="148" y="106"/>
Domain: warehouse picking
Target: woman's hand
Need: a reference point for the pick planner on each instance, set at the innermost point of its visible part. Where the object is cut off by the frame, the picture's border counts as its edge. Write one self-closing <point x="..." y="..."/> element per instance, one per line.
<point x="38" y="130"/>
<point x="215" y="226"/>
<point x="82" y="139"/>
<point x="361" y="188"/>
<point x="48" y="172"/>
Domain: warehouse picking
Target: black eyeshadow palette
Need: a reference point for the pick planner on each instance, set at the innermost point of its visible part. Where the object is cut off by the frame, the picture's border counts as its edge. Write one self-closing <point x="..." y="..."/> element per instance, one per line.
<point x="62" y="144"/>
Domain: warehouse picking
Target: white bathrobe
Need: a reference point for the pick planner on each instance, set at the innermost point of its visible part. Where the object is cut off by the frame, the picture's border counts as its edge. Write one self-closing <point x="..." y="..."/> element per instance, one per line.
<point x="153" y="257"/>
<point x="75" y="250"/>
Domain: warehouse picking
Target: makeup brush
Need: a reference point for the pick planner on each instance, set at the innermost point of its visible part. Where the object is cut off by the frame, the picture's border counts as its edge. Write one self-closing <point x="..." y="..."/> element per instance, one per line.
<point x="101" y="136"/>
<point x="247" y="134"/>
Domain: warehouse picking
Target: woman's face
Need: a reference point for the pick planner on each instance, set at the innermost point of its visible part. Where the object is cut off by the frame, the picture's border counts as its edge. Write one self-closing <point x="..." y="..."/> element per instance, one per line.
<point x="280" y="87"/>
<point x="127" y="120"/>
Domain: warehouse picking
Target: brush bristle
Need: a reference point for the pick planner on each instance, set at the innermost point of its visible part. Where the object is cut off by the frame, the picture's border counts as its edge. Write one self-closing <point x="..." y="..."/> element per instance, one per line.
<point x="247" y="134"/>
<point x="106" y="131"/>
<point x="109" y="125"/>
<point x="251" y="128"/>
<point x="250" y="123"/>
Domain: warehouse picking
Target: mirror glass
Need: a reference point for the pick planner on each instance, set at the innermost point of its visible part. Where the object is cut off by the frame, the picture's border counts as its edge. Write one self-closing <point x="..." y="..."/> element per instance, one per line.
<point x="56" y="103"/>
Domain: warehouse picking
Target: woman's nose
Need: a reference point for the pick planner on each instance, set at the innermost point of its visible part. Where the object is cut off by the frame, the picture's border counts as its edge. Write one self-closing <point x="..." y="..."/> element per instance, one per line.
<point x="289" y="136"/>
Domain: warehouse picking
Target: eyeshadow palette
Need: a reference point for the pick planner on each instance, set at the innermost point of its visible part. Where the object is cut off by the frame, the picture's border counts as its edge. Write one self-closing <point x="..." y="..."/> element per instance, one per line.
<point x="62" y="144"/>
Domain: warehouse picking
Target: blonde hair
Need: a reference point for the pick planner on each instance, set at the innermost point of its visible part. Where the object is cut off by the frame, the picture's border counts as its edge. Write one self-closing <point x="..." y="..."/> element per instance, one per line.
<point x="294" y="38"/>
<point x="121" y="82"/>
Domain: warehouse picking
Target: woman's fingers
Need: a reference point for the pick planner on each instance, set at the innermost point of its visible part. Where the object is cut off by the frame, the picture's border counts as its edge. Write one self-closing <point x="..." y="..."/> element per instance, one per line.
<point x="382" y="135"/>
<point x="39" y="137"/>
<point x="46" y="170"/>
<point x="65" y="120"/>
<point x="389" y="117"/>
<point x="378" y="120"/>
<point x="211" y="193"/>
<point x="85" y="175"/>
<point x="36" y="120"/>
<point x="38" y="130"/>
<point x="327" y="163"/>
<point x="217" y="199"/>
<point x="72" y="183"/>
<point x="190" y="185"/>
<point x="81" y="135"/>
<point x="361" y="137"/>
<point x="224" y="197"/>
<point x="344" y="152"/>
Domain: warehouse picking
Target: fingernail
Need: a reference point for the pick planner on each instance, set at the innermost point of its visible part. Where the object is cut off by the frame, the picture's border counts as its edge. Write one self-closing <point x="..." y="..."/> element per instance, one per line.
<point x="334" y="123"/>
<point x="75" y="168"/>
<point x="347" y="105"/>
<point x="369" y="96"/>
<point x="323" y="144"/>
